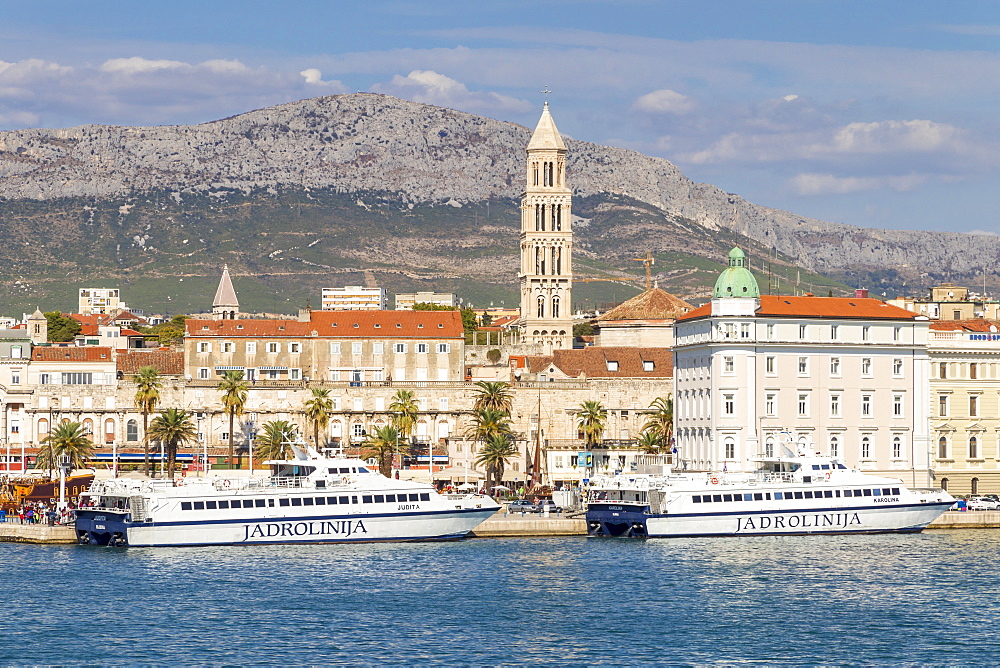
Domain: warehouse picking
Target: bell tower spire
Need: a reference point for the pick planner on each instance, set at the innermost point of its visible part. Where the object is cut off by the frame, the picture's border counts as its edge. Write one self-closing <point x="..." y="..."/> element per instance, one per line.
<point x="546" y="274"/>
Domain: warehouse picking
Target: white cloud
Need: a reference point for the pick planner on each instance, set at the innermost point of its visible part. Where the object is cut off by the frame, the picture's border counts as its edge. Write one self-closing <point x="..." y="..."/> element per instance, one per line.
<point x="431" y="87"/>
<point x="314" y="77"/>
<point x="828" y="184"/>
<point x="664" y="101"/>
<point x="887" y="136"/>
<point x="135" y="65"/>
<point x="790" y="98"/>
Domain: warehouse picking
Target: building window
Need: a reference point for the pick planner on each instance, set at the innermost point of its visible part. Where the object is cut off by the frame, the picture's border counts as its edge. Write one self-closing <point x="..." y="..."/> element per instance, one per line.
<point x="273" y="347"/>
<point x="399" y="348"/>
<point x="769" y="447"/>
<point x="377" y="348"/>
<point x="943" y="405"/>
<point x="974" y="406"/>
<point x="295" y="374"/>
<point x="132" y="431"/>
<point x="648" y="365"/>
<point x="295" y="347"/>
<point x="834" y="446"/>
<point x="423" y="348"/>
<point x="866" y="405"/>
<point x="897" y="447"/>
<point x="729" y="404"/>
<point x="897" y="405"/>
<point x="802" y="331"/>
<point x="334" y="348"/>
<point x="973" y="448"/>
<point x="357" y="376"/>
<point x="803" y="366"/>
<point x="769" y="404"/>
<point x="942" y="448"/>
<point x="251" y="347"/>
<point x="444" y="347"/>
<point x="866" y="366"/>
<point x="896" y="332"/>
<point x="769" y="365"/>
<point x="835" y="366"/>
<point x="834" y="405"/>
<point x="443" y="403"/>
<point x="834" y="332"/>
<point x="803" y="404"/>
<point x="204" y="347"/>
<point x="15" y="377"/>
<point x="975" y="486"/>
<point x="866" y="333"/>
<point x="358" y="430"/>
<point x="897" y="367"/>
<point x="972" y="371"/>
<point x="770" y="331"/>
<point x="728" y="366"/>
<point x="745" y="330"/>
<point x="866" y="447"/>
<point x="555" y="300"/>
<point x="357" y="348"/>
<point x="730" y="444"/>
<point x="228" y="346"/>
<point x="943" y="370"/>
<point x="204" y="373"/>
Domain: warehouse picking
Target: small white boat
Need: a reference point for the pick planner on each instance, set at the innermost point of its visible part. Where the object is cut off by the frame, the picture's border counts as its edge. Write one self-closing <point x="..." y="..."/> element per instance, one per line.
<point x="800" y="493"/>
<point x="312" y="498"/>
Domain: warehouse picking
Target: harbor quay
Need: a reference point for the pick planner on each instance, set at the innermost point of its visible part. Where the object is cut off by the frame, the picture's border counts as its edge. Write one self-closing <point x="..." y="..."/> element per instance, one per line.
<point x="501" y="525"/>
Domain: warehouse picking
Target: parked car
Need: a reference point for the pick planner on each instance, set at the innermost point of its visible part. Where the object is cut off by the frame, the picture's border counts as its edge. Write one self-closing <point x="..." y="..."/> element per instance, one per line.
<point x="523" y="506"/>
<point x="980" y="503"/>
<point x="549" y="505"/>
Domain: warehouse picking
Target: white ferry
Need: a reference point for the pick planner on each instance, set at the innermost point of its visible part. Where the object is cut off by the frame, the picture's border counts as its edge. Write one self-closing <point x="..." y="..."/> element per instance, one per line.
<point x="311" y="498"/>
<point x="800" y="493"/>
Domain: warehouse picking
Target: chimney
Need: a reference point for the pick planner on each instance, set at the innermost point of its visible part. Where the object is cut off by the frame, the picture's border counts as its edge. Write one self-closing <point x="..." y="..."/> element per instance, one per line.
<point x="861" y="293"/>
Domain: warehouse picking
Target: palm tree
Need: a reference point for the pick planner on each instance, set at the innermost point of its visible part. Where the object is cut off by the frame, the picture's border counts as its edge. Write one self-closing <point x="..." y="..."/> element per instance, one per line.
<point x="661" y="421"/>
<point x="488" y="423"/>
<point x="382" y="445"/>
<point x="66" y="439"/>
<point x="493" y="395"/>
<point x="172" y="427"/>
<point x="147" y="395"/>
<point x="318" y="410"/>
<point x="497" y="450"/>
<point x="405" y="409"/>
<point x="273" y="441"/>
<point x="649" y="442"/>
<point x="591" y="419"/>
<point x="234" y="398"/>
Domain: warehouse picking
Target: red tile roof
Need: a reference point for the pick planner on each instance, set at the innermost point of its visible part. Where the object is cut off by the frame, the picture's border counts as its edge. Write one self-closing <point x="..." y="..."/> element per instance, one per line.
<point x="340" y="324"/>
<point x="779" y="306"/>
<point x="166" y="362"/>
<point x="592" y="362"/>
<point x="71" y="353"/>
<point x="653" y="304"/>
<point x="976" y="325"/>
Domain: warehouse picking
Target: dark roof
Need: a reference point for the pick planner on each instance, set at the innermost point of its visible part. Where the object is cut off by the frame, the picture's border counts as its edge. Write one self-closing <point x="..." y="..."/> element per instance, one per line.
<point x="71" y="353"/>
<point x="166" y="362"/>
<point x="340" y="324"/>
<point x="593" y="362"/>
<point x="653" y="304"/>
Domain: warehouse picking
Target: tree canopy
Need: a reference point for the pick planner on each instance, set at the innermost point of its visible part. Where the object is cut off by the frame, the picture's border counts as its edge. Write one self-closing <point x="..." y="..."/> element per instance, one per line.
<point x="61" y="328"/>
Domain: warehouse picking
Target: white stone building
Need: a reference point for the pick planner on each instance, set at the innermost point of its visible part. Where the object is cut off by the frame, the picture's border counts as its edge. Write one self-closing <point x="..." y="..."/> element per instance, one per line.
<point x="354" y="298"/>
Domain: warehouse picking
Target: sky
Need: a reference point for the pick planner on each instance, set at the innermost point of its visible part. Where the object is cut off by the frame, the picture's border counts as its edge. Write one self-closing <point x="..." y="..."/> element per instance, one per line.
<point x="872" y="113"/>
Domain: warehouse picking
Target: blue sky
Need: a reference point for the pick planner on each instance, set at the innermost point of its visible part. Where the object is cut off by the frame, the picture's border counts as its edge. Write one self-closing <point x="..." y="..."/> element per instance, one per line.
<point x="878" y="114"/>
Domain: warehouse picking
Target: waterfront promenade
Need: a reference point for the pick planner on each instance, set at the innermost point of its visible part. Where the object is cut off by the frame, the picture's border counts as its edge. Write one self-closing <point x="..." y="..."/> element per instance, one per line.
<point x="501" y="525"/>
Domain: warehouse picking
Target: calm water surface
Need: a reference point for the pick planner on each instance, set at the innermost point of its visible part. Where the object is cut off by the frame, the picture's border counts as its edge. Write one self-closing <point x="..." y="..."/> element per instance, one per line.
<point x="923" y="599"/>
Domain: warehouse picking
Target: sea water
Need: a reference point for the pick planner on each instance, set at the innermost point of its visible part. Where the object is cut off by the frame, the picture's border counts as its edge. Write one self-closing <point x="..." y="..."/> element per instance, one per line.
<point x="893" y="599"/>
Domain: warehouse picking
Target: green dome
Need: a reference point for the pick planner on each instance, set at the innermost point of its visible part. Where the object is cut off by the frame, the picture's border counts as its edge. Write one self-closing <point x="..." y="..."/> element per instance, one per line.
<point x="736" y="281"/>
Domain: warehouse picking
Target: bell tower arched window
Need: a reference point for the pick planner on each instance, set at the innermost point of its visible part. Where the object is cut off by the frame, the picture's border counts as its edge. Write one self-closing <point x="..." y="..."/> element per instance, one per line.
<point x="557" y="217"/>
<point x="541" y="306"/>
<point x="555" y="307"/>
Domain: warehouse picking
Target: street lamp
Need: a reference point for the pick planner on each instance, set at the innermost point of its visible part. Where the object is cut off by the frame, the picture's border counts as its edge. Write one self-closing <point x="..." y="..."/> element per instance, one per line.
<point x="250" y="426"/>
<point x="204" y="446"/>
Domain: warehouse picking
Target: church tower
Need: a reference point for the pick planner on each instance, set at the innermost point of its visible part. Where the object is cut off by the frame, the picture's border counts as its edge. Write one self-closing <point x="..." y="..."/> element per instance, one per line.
<point x="546" y="274"/>
<point x="225" y="306"/>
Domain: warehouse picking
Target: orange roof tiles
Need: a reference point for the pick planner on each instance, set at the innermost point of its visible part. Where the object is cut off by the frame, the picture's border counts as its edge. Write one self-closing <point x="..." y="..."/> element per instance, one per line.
<point x="977" y="325"/>
<point x="779" y="306"/>
<point x="166" y="362"/>
<point x="593" y="362"/>
<point x="339" y="324"/>
<point x="71" y="353"/>
<point x="653" y="304"/>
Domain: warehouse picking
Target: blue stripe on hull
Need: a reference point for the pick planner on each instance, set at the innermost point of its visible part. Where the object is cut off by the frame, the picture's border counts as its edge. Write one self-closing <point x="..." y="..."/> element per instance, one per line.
<point x="418" y="539"/>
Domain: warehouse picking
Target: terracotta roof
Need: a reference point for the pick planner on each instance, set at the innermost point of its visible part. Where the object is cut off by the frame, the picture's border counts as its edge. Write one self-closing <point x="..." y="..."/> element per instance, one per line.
<point x="166" y="362"/>
<point x="71" y="353"/>
<point x="105" y="319"/>
<point x="339" y="324"/>
<point x="225" y="295"/>
<point x="818" y="307"/>
<point x="653" y="304"/>
<point x="976" y="325"/>
<point x="593" y="362"/>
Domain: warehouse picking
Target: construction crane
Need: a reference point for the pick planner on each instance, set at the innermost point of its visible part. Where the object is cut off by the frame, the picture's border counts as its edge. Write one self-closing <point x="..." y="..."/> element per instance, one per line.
<point x="648" y="262"/>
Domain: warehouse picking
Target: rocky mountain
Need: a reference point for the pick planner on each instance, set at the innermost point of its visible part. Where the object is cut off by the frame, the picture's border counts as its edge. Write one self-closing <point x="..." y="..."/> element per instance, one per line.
<point x="380" y="189"/>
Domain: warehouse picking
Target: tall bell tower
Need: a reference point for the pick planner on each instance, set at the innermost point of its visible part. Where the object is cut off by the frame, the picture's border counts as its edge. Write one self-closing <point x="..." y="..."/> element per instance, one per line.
<point x="546" y="274"/>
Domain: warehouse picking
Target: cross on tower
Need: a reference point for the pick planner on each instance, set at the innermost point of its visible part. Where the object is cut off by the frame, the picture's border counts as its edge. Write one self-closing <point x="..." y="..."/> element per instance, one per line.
<point x="546" y="92"/>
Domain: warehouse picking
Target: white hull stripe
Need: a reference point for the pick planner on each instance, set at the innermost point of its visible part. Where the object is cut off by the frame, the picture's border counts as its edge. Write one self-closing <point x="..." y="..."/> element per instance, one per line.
<point x="799" y="511"/>
<point x="410" y="539"/>
<point x="316" y="518"/>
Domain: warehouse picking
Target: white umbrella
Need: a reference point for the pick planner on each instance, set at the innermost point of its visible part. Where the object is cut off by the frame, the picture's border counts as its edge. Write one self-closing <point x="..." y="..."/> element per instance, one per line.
<point x="467" y="485"/>
<point x="501" y="487"/>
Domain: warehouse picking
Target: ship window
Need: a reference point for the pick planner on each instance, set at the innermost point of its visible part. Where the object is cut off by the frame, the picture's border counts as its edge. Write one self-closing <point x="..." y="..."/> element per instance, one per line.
<point x="758" y="496"/>
<point x="353" y="499"/>
<point x="828" y="493"/>
<point x="876" y="492"/>
<point x="798" y="495"/>
<point x="296" y="501"/>
<point x="767" y="496"/>
<point x="414" y="497"/>
<point x="185" y="505"/>
<point x="332" y="471"/>
<point x="867" y="492"/>
<point x="379" y="498"/>
<point x="841" y="466"/>
<point x="247" y="503"/>
<point x="283" y="502"/>
<point x="748" y="497"/>
<point x="259" y="503"/>
<point x="848" y="492"/>
<point x="390" y="498"/>
<point x="270" y="503"/>
<point x="345" y="470"/>
<point x="331" y="500"/>
<point x="826" y="467"/>
<point x="199" y="505"/>
<point x="717" y="498"/>
<point x="837" y="493"/>
<point x="895" y="491"/>
<point x="425" y="496"/>
<point x="815" y="467"/>
<point x="307" y="501"/>
<point x="362" y="469"/>
<point x="727" y="497"/>
<point x="887" y="491"/>
<point x="696" y="499"/>
<point x="224" y="505"/>
<point x="366" y="499"/>
<point x="809" y="495"/>
<point x="777" y="496"/>
<point x="320" y="500"/>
